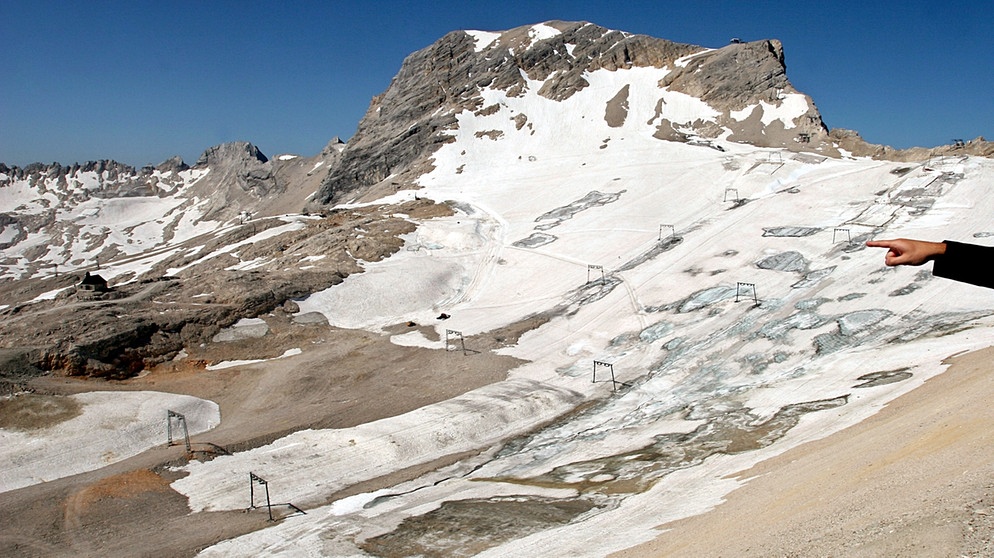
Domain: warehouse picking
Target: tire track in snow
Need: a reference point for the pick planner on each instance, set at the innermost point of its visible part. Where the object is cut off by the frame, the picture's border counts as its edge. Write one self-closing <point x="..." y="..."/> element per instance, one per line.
<point x="493" y="236"/>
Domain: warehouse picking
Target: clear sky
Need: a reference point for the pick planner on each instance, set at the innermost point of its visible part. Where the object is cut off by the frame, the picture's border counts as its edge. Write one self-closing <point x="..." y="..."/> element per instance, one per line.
<point x="139" y="81"/>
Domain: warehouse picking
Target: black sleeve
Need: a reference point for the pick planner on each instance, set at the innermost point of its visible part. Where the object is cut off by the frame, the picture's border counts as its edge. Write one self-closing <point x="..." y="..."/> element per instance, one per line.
<point x="966" y="263"/>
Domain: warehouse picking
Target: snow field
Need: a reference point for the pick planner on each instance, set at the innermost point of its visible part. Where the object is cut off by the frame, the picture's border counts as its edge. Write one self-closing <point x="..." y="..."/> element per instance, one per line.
<point x="113" y="426"/>
<point x="684" y="366"/>
<point x="688" y="353"/>
<point x="307" y="466"/>
<point x="699" y="489"/>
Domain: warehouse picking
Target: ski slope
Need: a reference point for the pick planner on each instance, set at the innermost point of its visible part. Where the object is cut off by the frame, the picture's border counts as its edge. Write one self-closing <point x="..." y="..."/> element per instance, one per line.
<point x="710" y="385"/>
<point x="110" y="427"/>
<point x="728" y="292"/>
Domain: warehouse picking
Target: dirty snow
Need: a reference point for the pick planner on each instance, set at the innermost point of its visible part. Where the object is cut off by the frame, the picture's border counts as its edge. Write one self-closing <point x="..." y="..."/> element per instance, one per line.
<point x="113" y="426"/>
<point x="690" y="361"/>
<point x="687" y="353"/>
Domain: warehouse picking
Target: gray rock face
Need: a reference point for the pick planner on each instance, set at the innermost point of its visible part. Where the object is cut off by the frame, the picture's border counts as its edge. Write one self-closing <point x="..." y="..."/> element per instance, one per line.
<point x="734" y="76"/>
<point x="404" y="125"/>
<point x="240" y="164"/>
<point x="115" y="180"/>
<point x="242" y="179"/>
<point x="172" y="164"/>
<point x="740" y="75"/>
<point x="227" y="153"/>
<point x="411" y="119"/>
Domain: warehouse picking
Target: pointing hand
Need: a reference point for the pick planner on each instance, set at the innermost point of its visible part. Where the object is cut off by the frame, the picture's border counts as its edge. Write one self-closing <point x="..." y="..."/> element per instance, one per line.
<point x="903" y="251"/>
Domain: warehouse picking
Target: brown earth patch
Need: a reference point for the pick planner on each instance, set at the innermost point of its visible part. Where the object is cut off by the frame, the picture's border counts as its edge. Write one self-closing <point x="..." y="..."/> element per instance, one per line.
<point x="126" y="485"/>
<point x="30" y="411"/>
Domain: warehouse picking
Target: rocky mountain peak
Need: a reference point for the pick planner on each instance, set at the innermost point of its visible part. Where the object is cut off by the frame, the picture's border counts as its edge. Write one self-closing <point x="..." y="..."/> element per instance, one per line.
<point x="734" y="76"/>
<point x="559" y="53"/>
<point x="418" y="112"/>
<point x="227" y="154"/>
<point x="172" y="164"/>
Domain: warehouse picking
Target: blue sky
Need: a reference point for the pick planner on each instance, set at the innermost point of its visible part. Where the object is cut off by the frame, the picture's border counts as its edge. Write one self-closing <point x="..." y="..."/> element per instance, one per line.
<point x="140" y="81"/>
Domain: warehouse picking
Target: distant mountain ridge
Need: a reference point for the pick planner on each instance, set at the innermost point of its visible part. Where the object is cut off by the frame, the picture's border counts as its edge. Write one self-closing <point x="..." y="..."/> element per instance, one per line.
<point x="665" y="240"/>
<point x="737" y="93"/>
<point x="68" y="204"/>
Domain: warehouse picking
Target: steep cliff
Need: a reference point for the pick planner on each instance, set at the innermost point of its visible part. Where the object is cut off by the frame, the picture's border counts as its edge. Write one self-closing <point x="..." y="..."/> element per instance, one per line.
<point x="745" y="85"/>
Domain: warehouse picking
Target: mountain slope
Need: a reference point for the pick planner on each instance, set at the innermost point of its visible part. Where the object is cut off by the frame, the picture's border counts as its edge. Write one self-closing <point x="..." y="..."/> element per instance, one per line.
<point x="728" y="292"/>
<point x="402" y="128"/>
<point x="75" y="217"/>
<point x="642" y="224"/>
<point x="756" y="322"/>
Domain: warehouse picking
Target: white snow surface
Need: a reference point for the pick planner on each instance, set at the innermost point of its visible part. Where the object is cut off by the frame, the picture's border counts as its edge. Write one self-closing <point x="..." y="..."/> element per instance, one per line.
<point x="112" y="426"/>
<point x="483" y="39"/>
<point x="522" y="242"/>
<point x="788" y="108"/>
<point x="571" y="219"/>
<point x="309" y="464"/>
<point x="541" y="32"/>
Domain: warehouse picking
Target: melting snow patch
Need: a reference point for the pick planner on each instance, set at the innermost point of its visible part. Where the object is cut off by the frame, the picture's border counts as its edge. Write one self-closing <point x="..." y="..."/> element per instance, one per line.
<point x="483" y="39"/>
<point x="535" y="240"/>
<point x="790" y="231"/>
<point x="112" y="426"/>
<point x="414" y="339"/>
<point x="705" y="298"/>
<point x="542" y="31"/>
<point x="855" y="322"/>
<point x="682" y="62"/>
<point x="655" y="332"/>
<point x="245" y="328"/>
<point x="335" y="459"/>
<point x="784" y="261"/>
<point x="50" y="295"/>
<point x="740" y="115"/>
<point x="233" y="363"/>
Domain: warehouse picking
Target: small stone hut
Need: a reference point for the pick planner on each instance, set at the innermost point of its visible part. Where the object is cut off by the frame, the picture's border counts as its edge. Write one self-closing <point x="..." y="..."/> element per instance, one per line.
<point x="93" y="284"/>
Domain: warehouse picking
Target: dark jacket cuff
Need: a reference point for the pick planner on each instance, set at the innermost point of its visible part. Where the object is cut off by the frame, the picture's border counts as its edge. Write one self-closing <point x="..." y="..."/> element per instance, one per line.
<point x="963" y="262"/>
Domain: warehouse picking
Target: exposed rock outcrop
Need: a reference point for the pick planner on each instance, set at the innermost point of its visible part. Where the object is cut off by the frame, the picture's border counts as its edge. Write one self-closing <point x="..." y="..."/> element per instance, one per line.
<point x="416" y="114"/>
<point x="412" y="118"/>
<point x="734" y="76"/>
<point x="852" y="142"/>
<point x="148" y="321"/>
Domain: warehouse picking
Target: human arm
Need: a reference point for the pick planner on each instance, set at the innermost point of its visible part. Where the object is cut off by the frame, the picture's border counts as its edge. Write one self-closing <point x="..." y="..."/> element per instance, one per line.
<point x="953" y="260"/>
<point x="903" y="251"/>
